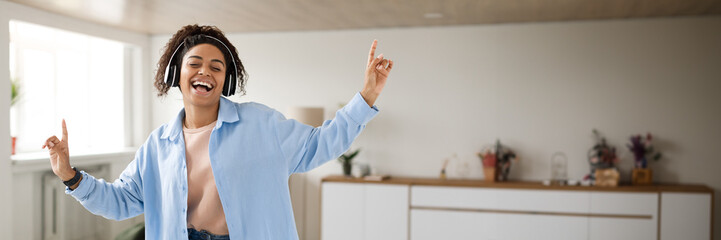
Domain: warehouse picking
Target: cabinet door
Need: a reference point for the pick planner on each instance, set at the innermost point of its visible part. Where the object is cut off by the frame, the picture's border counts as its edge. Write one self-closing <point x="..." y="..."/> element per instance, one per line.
<point x="623" y="216"/>
<point x="446" y="224"/>
<point x="386" y="215"/>
<point x="541" y="226"/>
<point x="685" y="216"/>
<point x="449" y="224"/>
<point x="602" y="228"/>
<point x="342" y="211"/>
<point x="364" y="211"/>
<point x="501" y="199"/>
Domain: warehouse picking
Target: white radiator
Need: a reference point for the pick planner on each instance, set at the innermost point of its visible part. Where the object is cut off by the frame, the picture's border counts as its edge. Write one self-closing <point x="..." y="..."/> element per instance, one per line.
<point x="63" y="218"/>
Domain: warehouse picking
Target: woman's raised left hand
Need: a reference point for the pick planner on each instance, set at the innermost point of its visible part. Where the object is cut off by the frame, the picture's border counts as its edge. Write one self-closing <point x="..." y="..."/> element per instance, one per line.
<point x="376" y="74"/>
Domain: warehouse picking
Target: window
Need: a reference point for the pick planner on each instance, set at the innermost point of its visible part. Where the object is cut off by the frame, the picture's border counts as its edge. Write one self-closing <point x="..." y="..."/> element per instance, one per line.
<point x="67" y="75"/>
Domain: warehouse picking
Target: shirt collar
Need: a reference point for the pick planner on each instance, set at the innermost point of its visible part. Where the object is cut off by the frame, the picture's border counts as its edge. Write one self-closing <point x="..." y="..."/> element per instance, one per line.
<point x="226" y="113"/>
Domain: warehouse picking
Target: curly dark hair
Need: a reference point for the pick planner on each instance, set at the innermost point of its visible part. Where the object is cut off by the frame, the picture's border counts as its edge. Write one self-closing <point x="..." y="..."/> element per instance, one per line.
<point x="189" y="36"/>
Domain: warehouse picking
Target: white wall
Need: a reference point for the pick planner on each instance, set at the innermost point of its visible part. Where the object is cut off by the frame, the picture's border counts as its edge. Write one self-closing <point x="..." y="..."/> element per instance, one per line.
<point x="19" y="215"/>
<point x="539" y="87"/>
<point x="5" y="166"/>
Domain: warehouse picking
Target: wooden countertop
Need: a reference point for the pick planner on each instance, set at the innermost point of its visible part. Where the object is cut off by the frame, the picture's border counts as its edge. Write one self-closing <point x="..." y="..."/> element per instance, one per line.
<point x="663" y="187"/>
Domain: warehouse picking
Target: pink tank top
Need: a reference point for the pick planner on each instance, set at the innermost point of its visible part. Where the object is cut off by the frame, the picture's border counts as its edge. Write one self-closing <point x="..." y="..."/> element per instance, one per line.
<point x="205" y="211"/>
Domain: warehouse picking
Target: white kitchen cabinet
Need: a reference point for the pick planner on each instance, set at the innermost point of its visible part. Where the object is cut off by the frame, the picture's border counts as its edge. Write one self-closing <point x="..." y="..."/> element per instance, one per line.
<point x="418" y="209"/>
<point x="364" y="211"/>
<point x="685" y="216"/>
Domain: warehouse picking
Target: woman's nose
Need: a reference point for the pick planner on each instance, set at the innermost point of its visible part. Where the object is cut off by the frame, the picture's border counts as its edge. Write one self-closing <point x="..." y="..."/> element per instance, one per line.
<point x="203" y="71"/>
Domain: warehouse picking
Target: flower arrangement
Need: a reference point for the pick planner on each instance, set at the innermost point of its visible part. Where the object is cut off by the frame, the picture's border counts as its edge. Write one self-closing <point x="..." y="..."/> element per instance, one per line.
<point x="497" y="161"/>
<point x="641" y="148"/>
<point x="601" y="155"/>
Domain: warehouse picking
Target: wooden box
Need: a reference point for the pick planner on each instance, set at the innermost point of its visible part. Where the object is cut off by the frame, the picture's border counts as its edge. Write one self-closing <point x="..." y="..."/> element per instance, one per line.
<point x="641" y="176"/>
<point x="607" y="177"/>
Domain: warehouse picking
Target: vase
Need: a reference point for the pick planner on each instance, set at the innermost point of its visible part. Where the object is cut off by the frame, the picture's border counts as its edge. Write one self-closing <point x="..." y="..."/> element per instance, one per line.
<point x="641" y="176"/>
<point x="347" y="167"/>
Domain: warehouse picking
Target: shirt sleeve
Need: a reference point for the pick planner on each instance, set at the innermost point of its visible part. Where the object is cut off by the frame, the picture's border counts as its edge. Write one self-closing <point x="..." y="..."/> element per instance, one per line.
<point x="306" y="147"/>
<point x="119" y="200"/>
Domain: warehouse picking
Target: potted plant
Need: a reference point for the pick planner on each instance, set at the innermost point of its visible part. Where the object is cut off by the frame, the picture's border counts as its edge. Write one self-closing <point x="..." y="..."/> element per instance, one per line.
<point x="14" y="97"/>
<point x="642" y="149"/>
<point x="347" y="161"/>
<point x="488" y="159"/>
<point x="603" y="159"/>
<point x="496" y="162"/>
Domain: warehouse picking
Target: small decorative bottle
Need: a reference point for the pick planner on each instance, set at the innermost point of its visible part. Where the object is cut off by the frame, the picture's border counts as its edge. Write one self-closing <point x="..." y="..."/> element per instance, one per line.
<point x="443" y="169"/>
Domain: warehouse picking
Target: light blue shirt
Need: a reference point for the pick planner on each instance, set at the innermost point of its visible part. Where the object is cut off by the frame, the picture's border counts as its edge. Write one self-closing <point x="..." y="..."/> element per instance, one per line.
<point x="253" y="150"/>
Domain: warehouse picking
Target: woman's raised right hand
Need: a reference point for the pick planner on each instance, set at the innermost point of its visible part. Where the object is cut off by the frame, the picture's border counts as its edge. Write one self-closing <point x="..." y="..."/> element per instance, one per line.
<point x="60" y="155"/>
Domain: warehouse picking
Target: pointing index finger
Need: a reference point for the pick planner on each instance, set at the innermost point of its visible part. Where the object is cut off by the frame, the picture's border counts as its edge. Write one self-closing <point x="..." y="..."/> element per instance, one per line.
<point x="372" y="53"/>
<point x="65" y="132"/>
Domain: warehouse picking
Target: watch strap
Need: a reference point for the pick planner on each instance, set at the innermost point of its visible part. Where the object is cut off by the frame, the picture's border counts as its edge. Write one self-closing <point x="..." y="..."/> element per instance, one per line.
<point x="75" y="178"/>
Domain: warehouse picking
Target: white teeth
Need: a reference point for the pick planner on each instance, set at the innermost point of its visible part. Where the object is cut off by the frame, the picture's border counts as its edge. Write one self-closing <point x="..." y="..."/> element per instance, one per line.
<point x="201" y="83"/>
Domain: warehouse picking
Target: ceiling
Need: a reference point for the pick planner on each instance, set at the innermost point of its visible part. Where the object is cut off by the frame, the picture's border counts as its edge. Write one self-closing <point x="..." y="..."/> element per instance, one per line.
<point x="167" y="16"/>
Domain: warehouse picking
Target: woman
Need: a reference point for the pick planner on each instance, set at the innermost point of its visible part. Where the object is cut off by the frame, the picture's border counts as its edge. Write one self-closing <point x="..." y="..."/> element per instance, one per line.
<point x="220" y="169"/>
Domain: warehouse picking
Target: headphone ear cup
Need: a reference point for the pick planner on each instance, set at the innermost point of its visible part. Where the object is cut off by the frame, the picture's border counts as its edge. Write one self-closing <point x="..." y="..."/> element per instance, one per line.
<point x="233" y="83"/>
<point x="176" y="76"/>
<point x="229" y="87"/>
<point x="171" y="75"/>
<point x="168" y="80"/>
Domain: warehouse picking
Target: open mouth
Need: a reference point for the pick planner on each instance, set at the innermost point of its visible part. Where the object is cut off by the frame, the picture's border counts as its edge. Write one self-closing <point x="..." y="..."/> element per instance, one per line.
<point x="202" y="86"/>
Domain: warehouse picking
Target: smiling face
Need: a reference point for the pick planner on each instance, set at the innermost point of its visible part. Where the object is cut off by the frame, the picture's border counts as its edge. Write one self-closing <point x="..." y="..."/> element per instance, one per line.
<point x="202" y="76"/>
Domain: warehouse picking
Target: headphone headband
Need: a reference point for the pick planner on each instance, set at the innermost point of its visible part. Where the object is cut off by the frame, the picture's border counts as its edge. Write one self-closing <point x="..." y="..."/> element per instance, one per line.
<point x="230" y="80"/>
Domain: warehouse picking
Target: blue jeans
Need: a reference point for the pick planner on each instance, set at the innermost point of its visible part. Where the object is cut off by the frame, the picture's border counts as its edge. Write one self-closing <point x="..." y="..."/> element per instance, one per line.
<point x="204" y="235"/>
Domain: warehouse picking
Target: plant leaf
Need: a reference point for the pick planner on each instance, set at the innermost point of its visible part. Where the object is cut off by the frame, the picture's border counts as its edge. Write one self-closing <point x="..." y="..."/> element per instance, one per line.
<point x="14" y="92"/>
<point x="352" y="155"/>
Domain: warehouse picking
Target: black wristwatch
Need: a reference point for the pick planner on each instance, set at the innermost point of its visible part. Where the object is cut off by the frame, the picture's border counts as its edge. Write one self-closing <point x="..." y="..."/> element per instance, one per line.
<point x="75" y="179"/>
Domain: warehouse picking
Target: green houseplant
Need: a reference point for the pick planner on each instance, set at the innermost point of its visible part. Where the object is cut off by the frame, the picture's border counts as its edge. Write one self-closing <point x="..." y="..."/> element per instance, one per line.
<point x="347" y="161"/>
<point x="14" y="92"/>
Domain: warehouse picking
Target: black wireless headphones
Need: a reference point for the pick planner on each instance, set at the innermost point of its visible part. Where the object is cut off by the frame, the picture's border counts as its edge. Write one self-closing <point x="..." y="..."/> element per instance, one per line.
<point x="173" y="79"/>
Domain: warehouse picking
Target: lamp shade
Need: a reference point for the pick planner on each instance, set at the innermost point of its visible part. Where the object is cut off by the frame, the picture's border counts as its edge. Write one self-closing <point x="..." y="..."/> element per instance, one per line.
<point x="308" y="115"/>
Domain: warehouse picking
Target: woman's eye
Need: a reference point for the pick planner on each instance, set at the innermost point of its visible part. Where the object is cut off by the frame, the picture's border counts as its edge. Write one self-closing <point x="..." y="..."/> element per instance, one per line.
<point x="216" y="69"/>
<point x="194" y="65"/>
